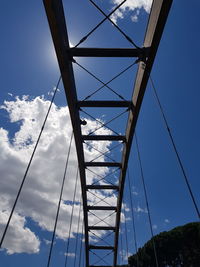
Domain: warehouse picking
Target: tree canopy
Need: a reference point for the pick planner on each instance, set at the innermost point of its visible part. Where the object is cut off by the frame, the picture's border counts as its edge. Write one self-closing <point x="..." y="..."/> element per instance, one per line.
<point x="177" y="247"/>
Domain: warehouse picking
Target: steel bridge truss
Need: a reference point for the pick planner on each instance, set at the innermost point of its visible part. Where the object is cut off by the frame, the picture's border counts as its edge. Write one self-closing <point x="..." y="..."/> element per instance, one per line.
<point x="144" y="58"/>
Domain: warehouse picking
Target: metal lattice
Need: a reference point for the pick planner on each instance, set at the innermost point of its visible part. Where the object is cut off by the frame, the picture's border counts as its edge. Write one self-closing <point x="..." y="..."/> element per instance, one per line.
<point x="144" y="57"/>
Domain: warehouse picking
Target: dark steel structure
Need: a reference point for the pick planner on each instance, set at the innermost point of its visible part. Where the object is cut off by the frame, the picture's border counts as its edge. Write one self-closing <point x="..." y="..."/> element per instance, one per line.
<point x="145" y="55"/>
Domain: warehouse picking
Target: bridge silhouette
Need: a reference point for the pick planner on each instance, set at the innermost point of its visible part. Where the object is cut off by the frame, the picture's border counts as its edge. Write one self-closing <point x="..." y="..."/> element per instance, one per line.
<point x="109" y="167"/>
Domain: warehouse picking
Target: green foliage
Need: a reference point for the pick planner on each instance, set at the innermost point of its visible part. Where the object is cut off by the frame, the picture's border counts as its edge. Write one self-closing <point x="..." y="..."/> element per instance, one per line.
<point x="178" y="247"/>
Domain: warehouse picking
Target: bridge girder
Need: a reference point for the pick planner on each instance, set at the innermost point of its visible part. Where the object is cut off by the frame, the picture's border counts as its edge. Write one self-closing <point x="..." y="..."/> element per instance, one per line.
<point x="146" y="56"/>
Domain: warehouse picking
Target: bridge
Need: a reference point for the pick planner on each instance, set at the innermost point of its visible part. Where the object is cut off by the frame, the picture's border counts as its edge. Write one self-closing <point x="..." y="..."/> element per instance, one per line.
<point x="109" y="167"/>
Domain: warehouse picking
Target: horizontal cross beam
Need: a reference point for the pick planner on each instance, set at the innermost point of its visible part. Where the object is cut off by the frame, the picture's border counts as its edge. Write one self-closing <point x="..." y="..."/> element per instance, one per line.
<point x="105" y="103"/>
<point x="104" y="228"/>
<point x="102" y="187"/>
<point x="102" y="208"/>
<point x="103" y="164"/>
<point x="108" y="52"/>
<point x="104" y="138"/>
<point x="101" y="247"/>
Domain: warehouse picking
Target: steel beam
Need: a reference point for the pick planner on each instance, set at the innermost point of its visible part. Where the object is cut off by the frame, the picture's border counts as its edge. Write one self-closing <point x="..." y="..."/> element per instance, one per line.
<point x="104" y="228"/>
<point x="108" y="52"/>
<point x="157" y="19"/>
<point x="56" y="19"/>
<point x="101" y="247"/>
<point x="107" y="104"/>
<point x="102" y="208"/>
<point x="155" y="27"/>
<point x="104" y="138"/>
<point x="103" y="164"/>
<point x="102" y="187"/>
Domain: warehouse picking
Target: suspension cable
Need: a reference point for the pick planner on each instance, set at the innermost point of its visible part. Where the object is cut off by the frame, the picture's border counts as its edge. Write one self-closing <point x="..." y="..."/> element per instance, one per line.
<point x="85" y="37"/>
<point x="79" y="215"/>
<point x="119" y="254"/>
<point x="106" y="152"/>
<point x="103" y="153"/>
<point x="122" y="252"/>
<point x="120" y="235"/>
<point x="102" y="220"/>
<point x="146" y="200"/>
<point x="106" y="176"/>
<point x="102" y="124"/>
<point x="116" y="26"/>
<point x="101" y="258"/>
<point x="81" y="245"/>
<point x="95" y="77"/>
<point x="133" y="216"/>
<point x="101" y="239"/>
<point x="84" y="257"/>
<point x="126" y="233"/>
<point x="111" y="120"/>
<point x="71" y="218"/>
<point x="115" y="77"/>
<point x="175" y="148"/>
<point x="101" y="199"/>
<point x="58" y="208"/>
<point x="104" y="237"/>
<point x="101" y="177"/>
<point x="29" y="164"/>
<point x="106" y="123"/>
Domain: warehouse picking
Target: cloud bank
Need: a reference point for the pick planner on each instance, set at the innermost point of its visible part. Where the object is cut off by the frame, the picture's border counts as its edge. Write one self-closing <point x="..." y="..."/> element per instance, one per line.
<point x="40" y="194"/>
<point x="130" y="7"/>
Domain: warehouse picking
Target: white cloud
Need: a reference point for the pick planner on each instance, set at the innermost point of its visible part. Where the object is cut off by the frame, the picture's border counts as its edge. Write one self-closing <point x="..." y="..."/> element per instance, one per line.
<point x="138" y="209"/>
<point x="125" y="255"/>
<point x="134" y="18"/>
<point x="132" y="7"/>
<point x="155" y="226"/>
<point x="102" y="214"/>
<point x="47" y="242"/>
<point x="40" y="193"/>
<point x="167" y="221"/>
<point x="72" y="255"/>
<point x="127" y="209"/>
<point x="19" y="238"/>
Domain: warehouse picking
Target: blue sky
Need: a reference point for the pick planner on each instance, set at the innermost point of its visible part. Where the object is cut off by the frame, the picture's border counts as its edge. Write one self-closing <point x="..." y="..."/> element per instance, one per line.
<point x="29" y="68"/>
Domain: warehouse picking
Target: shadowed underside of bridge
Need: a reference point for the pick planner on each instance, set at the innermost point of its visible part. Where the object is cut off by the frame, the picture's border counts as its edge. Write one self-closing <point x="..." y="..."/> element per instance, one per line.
<point x="144" y="57"/>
